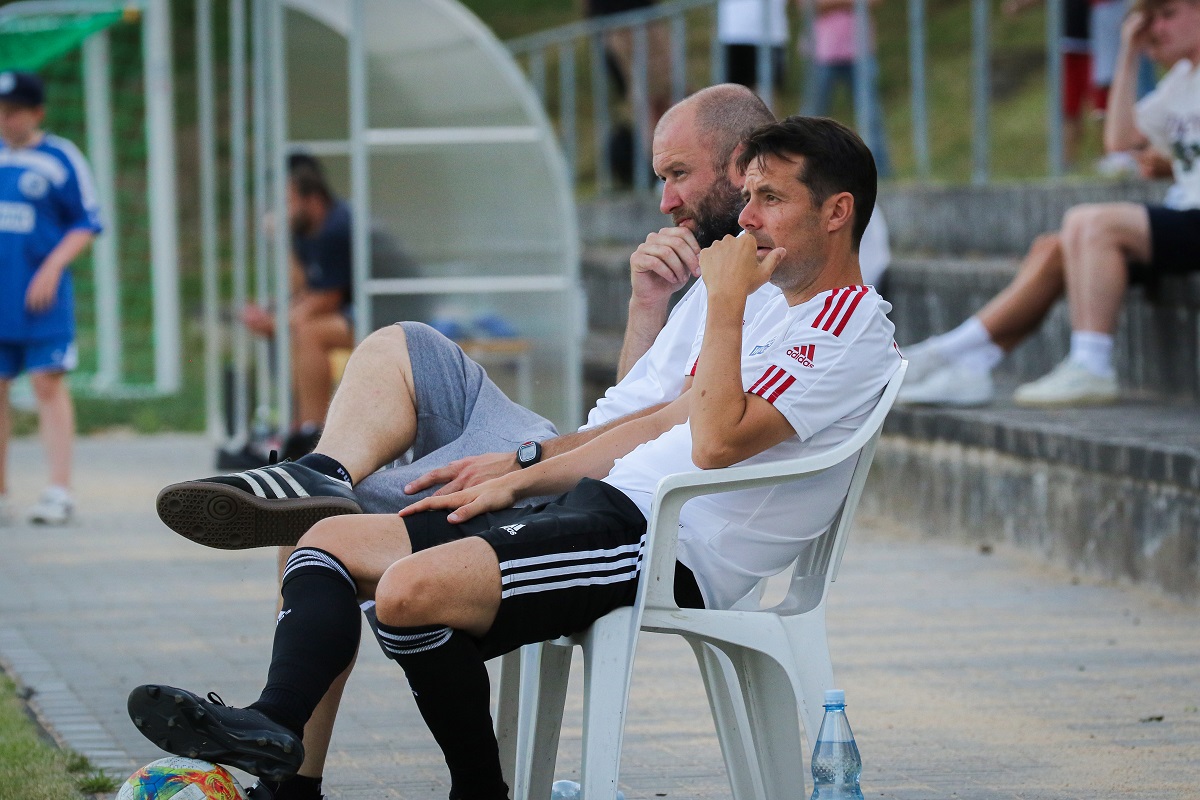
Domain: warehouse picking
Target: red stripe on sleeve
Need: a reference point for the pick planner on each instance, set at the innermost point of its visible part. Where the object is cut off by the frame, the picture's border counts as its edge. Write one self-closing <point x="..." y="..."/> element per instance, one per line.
<point x="842" y="296"/>
<point x="780" y="389"/>
<point x="858" y="296"/>
<point x="828" y="303"/>
<point x="694" y="365"/>
<point x="768" y="378"/>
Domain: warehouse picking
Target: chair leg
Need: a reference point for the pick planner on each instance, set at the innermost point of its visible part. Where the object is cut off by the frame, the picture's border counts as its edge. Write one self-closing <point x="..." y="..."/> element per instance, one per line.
<point x="545" y="668"/>
<point x="730" y="720"/>
<point x="507" y="714"/>
<point x="771" y="705"/>
<point x="810" y="646"/>
<point x="608" y="660"/>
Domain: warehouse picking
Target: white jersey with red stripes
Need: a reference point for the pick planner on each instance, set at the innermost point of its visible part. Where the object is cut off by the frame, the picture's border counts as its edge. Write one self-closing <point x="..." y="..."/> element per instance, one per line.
<point x="658" y="375"/>
<point x="823" y="364"/>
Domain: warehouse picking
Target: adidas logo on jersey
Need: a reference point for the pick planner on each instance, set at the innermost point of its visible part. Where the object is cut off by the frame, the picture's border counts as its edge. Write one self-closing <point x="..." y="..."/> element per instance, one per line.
<point x="803" y="354"/>
<point x="512" y="529"/>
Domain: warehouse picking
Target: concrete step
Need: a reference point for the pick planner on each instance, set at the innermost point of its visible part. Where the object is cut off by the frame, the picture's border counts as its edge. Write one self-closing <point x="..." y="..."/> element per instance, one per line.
<point x="1113" y="492"/>
<point x="1156" y="347"/>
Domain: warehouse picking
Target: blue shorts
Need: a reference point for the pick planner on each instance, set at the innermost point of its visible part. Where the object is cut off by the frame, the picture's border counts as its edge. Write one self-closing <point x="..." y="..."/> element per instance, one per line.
<point x="40" y="355"/>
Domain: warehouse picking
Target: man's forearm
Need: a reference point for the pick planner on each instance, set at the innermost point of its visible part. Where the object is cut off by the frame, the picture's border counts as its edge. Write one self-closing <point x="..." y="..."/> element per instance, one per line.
<point x="1120" y="127"/>
<point x="74" y="243"/>
<point x="645" y="323"/>
<point x="564" y="444"/>
<point x="595" y="458"/>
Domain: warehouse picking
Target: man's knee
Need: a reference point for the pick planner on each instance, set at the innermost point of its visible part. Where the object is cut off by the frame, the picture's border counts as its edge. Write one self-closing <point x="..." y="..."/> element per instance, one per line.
<point x="389" y="340"/>
<point x="1046" y="243"/>
<point x="324" y="535"/>
<point x="1111" y="223"/>
<point x="406" y="597"/>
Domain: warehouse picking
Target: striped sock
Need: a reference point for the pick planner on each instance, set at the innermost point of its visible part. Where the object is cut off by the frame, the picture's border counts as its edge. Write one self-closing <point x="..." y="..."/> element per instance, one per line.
<point x="315" y="638"/>
<point x="446" y="673"/>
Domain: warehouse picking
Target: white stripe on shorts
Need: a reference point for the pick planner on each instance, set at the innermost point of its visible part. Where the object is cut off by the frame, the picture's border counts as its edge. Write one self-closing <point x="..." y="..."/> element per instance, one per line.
<point x="595" y="580"/>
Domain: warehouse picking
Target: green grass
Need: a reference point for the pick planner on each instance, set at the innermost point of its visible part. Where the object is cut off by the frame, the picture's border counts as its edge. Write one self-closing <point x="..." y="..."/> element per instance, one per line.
<point x="33" y="769"/>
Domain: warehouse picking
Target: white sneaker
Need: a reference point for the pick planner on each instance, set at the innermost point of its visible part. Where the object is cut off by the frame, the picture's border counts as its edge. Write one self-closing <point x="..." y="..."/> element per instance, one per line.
<point x="6" y="511"/>
<point x="952" y="385"/>
<point x="54" y="507"/>
<point x="1068" y="384"/>
<point x="923" y="361"/>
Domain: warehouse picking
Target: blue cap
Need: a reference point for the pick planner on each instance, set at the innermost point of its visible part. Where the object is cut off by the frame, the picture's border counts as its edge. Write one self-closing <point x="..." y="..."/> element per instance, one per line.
<point x="22" y="88"/>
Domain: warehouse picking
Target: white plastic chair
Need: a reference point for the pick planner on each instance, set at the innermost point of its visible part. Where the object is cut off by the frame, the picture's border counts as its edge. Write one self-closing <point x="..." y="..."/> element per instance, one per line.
<point x="765" y="670"/>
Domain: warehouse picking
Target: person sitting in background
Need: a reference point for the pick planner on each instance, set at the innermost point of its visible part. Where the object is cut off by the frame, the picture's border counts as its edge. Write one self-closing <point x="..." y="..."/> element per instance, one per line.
<point x="320" y="312"/>
<point x="1090" y="260"/>
<point x="49" y="214"/>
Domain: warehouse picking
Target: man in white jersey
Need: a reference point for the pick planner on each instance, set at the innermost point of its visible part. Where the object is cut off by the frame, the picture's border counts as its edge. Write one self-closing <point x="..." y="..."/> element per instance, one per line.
<point x="454" y="589"/>
<point x="408" y="386"/>
<point x="1101" y="248"/>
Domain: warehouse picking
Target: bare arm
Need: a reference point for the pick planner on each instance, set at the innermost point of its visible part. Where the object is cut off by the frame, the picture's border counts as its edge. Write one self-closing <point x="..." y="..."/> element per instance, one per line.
<point x="1120" y="126"/>
<point x="473" y="470"/>
<point x="728" y="424"/>
<point x="43" y="289"/>
<point x="657" y="269"/>
<point x="559" y="474"/>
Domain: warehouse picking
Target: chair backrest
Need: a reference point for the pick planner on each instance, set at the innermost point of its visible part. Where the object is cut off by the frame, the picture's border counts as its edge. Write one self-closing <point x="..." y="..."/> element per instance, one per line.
<point x="818" y="561"/>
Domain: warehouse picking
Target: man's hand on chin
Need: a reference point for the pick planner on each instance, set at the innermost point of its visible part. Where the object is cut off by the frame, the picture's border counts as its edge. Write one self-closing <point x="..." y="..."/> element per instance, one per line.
<point x="732" y="267"/>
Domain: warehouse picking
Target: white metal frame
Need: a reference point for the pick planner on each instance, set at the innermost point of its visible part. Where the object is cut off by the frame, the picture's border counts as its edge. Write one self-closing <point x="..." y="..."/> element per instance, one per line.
<point x="267" y="32"/>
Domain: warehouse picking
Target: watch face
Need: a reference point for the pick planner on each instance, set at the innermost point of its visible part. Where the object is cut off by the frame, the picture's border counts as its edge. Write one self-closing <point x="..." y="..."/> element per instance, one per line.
<point x="527" y="453"/>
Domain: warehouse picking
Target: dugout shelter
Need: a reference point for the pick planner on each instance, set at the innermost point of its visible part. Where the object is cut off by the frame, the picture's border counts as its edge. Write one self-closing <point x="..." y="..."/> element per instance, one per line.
<point x="424" y="122"/>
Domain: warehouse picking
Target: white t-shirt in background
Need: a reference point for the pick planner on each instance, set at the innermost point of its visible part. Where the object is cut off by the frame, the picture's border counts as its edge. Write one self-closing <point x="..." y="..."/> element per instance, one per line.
<point x="1170" y="118"/>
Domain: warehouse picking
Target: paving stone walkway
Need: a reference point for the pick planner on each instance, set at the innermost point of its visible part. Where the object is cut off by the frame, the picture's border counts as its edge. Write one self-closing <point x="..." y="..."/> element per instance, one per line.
<point x="968" y="674"/>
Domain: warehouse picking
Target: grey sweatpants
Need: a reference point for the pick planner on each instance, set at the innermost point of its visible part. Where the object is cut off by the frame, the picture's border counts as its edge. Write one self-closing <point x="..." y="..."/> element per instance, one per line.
<point x="460" y="413"/>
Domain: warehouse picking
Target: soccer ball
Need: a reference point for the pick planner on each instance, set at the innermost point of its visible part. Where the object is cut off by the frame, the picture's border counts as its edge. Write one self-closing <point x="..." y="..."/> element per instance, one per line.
<point x="181" y="779"/>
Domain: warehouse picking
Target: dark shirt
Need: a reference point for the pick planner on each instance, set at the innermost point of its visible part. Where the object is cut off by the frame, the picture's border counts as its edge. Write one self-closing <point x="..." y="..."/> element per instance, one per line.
<point x="325" y="256"/>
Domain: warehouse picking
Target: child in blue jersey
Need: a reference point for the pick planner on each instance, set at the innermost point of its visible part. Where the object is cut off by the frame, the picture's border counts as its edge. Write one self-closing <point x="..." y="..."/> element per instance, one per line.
<point x="48" y="216"/>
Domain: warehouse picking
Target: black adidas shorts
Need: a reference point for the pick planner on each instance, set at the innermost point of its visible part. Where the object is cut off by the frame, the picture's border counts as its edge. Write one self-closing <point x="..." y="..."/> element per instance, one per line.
<point x="563" y="564"/>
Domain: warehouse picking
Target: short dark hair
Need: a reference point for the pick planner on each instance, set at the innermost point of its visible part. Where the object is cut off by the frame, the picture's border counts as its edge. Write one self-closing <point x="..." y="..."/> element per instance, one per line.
<point x="305" y="173"/>
<point x="835" y="160"/>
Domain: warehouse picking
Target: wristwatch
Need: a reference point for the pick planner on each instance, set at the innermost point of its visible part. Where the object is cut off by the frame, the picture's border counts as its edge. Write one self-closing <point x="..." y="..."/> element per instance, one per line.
<point x="529" y="454"/>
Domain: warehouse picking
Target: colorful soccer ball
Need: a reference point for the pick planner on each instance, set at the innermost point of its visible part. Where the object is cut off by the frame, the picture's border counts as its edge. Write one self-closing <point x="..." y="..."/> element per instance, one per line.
<point x="177" y="778"/>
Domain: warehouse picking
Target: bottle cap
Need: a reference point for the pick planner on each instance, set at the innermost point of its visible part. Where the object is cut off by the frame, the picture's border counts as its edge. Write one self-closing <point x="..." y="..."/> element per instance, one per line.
<point x="835" y="697"/>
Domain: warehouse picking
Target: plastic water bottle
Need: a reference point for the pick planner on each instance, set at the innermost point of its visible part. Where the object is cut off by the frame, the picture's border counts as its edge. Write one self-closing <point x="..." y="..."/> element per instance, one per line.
<point x="836" y="764"/>
<point x="569" y="790"/>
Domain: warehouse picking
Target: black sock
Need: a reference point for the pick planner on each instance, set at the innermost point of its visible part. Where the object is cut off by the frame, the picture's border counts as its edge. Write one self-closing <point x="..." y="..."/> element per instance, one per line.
<point x="297" y="787"/>
<point x="315" y="639"/>
<point x="326" y="466"/>
<point x="450" y="684"/>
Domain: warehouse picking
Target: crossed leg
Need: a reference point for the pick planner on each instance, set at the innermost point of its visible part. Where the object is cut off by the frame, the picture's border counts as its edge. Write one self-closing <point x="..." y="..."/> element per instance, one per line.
<point x="1100" y="240"/>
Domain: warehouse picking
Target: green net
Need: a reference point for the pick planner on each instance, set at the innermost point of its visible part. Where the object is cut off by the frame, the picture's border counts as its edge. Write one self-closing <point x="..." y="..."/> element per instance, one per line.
<point x="29" y="43"/>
